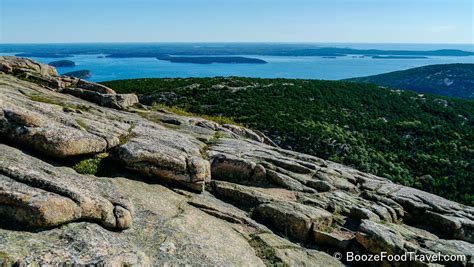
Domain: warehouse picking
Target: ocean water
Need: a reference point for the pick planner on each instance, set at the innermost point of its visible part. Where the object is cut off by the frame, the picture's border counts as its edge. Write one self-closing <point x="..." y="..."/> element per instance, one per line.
<point x="104" y="69"/>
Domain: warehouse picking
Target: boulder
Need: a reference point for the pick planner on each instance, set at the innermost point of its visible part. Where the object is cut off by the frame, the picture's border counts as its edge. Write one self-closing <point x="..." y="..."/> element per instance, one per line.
<point x="34" y="130"/>
<point x="117" y="101"/>
<point x="47" y="75"/>
<point x="157" y="152"/>
<point x="13" y="65"/>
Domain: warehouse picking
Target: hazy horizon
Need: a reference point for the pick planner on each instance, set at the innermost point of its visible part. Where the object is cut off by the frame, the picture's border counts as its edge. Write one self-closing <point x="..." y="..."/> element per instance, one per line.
<point x="232" y="42"/>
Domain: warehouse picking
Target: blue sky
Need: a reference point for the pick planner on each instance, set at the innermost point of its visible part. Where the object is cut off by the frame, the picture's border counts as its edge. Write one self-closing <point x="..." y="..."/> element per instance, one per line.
<point x="365" y="21"/>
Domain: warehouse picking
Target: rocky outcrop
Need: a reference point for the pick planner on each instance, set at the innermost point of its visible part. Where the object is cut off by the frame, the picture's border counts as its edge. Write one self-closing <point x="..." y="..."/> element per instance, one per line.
<point x="15" y="65"/>
<point x="106" y="99"/>
<point x="185" y="190"/>
<point x="47" y="76"/>
<point x="61" y="126"/>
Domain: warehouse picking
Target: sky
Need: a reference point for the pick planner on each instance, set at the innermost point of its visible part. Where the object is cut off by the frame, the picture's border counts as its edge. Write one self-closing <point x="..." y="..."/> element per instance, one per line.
<point x="344" y="21"/>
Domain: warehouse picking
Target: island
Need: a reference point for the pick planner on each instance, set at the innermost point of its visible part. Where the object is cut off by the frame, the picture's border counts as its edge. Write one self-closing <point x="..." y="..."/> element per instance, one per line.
<point x="62" y="63"/>
<point x="81" y="74"/>
<point x="210" y="60"/>
<point x="398" y="57"/>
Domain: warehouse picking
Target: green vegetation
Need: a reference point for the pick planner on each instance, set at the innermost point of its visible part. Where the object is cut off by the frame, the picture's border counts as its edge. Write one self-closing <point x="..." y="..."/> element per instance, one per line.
<point x="422" y="141"/>
<point x="265" y="252"/>
<point x="6" y="260"/>
<point x="123" y="139"/>
<point x="215" y="139"/>
<point x="180" y="111"/>
<point x="82" y="124"/>
<point x="454" y="80"/>
<point x="90" y="165"/>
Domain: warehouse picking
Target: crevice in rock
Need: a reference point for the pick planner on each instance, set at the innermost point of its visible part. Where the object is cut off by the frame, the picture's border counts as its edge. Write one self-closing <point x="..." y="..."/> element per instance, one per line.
<point x="218" y="214"/>
<point x="9" y="224"/>
<point x="265" y="252"/>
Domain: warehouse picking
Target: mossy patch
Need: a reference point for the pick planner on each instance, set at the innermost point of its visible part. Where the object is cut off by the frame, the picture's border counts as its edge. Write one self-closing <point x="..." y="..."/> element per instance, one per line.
<point x="77" y="107"/>
<point x="90" y="165"/>
<point x="265" y="252"/>
<point x="215" y="139"/>
<point x="6" y="259"/>
<point x="42" y="99"/>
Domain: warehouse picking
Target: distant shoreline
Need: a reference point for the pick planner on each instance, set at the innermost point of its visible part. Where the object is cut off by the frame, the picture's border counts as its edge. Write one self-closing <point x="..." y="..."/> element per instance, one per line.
<point x="124" y="61"/>
<point x="160" y="50"/>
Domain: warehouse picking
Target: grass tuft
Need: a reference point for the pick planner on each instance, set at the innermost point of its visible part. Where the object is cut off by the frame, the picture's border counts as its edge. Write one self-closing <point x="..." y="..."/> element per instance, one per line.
<point x="91" y="165"/>
<point x="183" y="112"/>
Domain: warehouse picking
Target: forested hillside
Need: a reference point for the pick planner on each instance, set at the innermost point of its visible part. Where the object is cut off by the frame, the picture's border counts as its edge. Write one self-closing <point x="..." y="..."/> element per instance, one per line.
<point x="424" y="141"/>
<point x="455" y="80"/>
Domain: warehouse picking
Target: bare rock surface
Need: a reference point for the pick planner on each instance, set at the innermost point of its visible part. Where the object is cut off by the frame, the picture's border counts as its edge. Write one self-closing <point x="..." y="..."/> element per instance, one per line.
<point x="325" y="203"/>
<point x="61" y="126"/>
<point x="37" y="194"/>
<point x="184" y="190"/>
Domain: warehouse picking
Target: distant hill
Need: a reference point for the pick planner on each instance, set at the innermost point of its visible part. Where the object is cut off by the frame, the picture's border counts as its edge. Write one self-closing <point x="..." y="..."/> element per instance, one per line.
<point x="455" y="80"/>
<point x="425" y="141"/>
